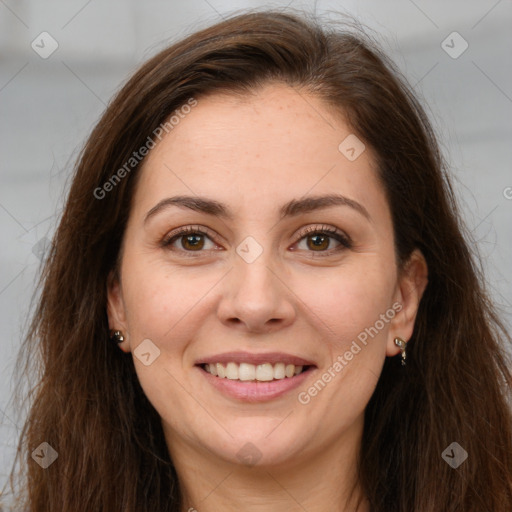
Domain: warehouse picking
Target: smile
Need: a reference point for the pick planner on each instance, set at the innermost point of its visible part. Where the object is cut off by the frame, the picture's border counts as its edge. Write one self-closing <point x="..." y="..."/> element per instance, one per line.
<point x="265" y="372"/>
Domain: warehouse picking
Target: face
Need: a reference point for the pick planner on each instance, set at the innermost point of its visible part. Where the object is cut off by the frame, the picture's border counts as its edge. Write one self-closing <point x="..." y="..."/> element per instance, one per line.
<point x="302" y="297"/>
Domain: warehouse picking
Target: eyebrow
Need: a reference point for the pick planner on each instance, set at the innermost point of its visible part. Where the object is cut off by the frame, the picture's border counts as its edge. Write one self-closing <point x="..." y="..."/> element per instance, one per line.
<point x="292" y="208"/>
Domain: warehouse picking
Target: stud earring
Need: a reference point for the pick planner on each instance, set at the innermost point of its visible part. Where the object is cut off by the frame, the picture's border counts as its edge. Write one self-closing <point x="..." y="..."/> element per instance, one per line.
<point x="399" y="342"/>
<point x="116" y="336"/>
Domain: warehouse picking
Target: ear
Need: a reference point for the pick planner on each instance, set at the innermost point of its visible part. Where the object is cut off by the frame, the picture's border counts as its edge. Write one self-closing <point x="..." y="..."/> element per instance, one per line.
<point x="116" y="309"/>
<point x="412" y="282"/>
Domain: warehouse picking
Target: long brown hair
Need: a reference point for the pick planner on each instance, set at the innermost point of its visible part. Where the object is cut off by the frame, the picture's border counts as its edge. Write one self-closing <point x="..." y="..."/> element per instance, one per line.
<point x="88" y="404"/>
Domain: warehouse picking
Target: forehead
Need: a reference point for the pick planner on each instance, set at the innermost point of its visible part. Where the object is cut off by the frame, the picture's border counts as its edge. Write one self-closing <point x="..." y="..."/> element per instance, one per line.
<point x="257" y="152"/>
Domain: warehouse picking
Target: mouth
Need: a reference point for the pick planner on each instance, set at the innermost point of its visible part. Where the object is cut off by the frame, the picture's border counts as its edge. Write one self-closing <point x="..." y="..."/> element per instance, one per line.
<point x="247" y="372"/>
<point x="255" y="377"/>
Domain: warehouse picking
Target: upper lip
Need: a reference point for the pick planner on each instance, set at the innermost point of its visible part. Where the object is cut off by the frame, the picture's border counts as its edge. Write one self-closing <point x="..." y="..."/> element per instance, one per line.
<point x="247" y="357"/>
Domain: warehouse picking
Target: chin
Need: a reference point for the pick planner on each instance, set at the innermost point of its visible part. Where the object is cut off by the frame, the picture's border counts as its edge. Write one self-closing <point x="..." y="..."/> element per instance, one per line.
<point x="258" y="446"/>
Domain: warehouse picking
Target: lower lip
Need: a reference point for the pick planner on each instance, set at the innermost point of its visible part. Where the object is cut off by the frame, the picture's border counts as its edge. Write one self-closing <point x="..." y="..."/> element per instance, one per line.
<point x="250" y="391"/>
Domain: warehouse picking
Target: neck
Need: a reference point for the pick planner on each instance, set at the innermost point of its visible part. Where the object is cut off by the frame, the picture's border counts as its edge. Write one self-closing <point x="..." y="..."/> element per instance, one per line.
<point x="326" y="481"/>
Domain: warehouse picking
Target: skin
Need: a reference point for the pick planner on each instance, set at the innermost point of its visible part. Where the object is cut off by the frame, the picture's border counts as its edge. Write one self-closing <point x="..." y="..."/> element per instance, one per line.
<point x="255" y="153"/>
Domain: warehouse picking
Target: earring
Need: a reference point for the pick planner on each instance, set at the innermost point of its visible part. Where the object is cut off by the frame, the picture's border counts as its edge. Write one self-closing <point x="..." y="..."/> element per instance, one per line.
<point x="399" y="342"/>
<point x="116" y="336"/>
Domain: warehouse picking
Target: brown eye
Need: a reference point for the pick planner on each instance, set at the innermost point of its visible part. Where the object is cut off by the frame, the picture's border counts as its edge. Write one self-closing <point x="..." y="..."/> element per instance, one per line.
<point x="319" y="239"/>
<point x="188" y="240"/>
<point x="192" y="242"/>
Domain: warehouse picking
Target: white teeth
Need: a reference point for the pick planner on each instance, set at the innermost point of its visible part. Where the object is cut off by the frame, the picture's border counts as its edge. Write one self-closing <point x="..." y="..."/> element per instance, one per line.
<point x="232" y="371"/>
<point x="221" y="371"/>
<point x="247" y="372"/>
<point x="279" y="371"/>
<point x="264" y="372"/>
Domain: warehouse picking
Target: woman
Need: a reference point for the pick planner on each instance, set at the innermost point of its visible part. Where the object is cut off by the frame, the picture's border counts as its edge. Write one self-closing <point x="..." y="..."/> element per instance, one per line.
<point x="260" y="297"/>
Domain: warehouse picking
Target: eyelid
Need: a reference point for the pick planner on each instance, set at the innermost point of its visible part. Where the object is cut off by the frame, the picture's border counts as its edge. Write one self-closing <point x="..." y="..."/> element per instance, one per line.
<point x="182" y="231"/>
<point x="344" y="240"/>
<point x="324" y="228"/>
<point x="328" y="230"/>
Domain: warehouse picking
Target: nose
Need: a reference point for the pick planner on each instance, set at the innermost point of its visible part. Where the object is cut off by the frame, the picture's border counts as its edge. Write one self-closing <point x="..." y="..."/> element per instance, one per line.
<point x="256" y="298"/>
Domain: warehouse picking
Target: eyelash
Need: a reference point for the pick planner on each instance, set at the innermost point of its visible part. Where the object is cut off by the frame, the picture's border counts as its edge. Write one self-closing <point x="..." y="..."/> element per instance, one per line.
<point x="344" y="240"/>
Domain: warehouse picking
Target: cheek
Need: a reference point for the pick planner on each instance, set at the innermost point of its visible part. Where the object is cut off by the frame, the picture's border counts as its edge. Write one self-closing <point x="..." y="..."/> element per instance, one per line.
<point x="347" y="305"/>
<point x="160" y="299"/>
<point x="349" y="299"/>
<point x="166" y="307"/>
